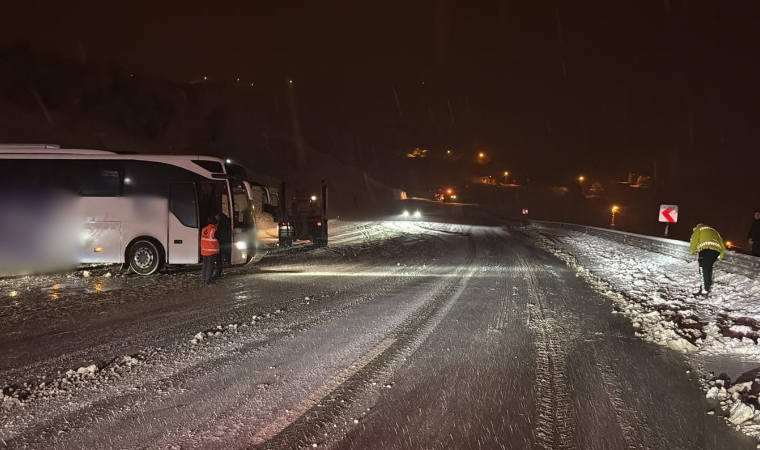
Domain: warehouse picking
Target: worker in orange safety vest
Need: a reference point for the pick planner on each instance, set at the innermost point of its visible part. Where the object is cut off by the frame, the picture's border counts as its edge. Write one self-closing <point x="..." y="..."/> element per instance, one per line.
<point x="210" y="250"/>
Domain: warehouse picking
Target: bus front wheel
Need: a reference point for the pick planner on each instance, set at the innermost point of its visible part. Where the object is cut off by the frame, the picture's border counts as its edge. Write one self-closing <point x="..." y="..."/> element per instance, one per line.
<point x="145" y="258"/>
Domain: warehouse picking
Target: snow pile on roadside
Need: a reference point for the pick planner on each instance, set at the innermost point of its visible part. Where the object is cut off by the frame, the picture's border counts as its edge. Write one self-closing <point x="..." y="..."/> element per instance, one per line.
<point x="220" y="330"/>
<point x="65" y="382"/>
<point x="651" y="324"/>
<point x="655" y="292"/>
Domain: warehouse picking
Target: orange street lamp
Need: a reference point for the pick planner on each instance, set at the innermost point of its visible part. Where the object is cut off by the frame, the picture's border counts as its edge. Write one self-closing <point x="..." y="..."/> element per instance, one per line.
<point x="581" y="178"/>
<point x="615" y="211"/>
<point x="481" y="155"/>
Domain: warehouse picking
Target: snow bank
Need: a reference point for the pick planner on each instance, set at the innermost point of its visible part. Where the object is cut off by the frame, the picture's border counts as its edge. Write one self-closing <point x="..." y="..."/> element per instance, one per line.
<point x="65" y="382"/>
<point x="719" y="332"/>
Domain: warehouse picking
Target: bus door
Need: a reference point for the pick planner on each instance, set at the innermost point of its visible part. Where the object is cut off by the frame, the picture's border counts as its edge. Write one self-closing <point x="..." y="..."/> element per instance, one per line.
<point x="213" y="199"/>
<point x="184" y="233"/>
<point x="243" y="222"/>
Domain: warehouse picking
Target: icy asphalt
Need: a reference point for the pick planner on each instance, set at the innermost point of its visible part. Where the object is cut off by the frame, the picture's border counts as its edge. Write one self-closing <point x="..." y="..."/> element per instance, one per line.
<point x="400" y="335"/>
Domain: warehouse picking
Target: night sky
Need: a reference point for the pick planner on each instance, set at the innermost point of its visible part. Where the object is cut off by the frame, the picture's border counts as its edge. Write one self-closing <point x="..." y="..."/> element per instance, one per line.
<point x="605" y="86"/>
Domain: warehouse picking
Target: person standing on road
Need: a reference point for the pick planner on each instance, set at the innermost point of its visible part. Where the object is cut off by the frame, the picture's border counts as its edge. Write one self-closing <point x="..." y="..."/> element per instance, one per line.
<point x="707" y="242"/>
<point x="224" y="236"/>
<point x="754" y="235"/>
<point x="210" y="250"/>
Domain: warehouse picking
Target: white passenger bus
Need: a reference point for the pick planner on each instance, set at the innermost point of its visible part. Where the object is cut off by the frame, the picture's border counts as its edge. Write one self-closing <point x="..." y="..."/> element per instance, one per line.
<point x="67" y="207"/>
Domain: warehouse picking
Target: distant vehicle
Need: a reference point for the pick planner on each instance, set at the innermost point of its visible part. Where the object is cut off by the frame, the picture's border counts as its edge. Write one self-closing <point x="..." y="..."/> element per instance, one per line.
<point x="302" y="217"/>
<point x="144" y="211"/>
<point x="446" y="196"/>
<point x="416" y="215"/>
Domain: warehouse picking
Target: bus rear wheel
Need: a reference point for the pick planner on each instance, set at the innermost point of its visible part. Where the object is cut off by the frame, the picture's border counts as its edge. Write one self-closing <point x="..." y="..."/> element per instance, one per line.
<point x="145" y="258"/>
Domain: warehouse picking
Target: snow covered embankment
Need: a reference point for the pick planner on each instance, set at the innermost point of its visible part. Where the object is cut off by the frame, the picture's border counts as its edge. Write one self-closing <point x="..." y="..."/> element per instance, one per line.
<point x="655" y="291"/>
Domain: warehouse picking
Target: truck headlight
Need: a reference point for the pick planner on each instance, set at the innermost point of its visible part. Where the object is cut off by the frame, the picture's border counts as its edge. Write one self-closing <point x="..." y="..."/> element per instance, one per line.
<point x="405" y="213"/>
<point x="241" y="245"/>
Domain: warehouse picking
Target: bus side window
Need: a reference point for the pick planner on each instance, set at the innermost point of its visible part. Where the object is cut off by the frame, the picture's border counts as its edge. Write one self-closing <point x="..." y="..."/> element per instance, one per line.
<point x="101" y="183"/>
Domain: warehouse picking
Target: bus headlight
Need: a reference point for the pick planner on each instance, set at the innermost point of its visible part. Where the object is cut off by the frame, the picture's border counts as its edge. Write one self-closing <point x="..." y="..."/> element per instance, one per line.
<point x="241" y="245"/>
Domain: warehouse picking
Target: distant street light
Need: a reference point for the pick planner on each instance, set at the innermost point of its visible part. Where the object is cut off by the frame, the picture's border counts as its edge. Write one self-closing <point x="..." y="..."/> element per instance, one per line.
<point x="205" y="78"/>
<point x="581" y="178"/>
<point x="506" y="177"/>
<point x="448" y="152"/>
<point x="615" y="211"/>
<point x="290" y="81"/>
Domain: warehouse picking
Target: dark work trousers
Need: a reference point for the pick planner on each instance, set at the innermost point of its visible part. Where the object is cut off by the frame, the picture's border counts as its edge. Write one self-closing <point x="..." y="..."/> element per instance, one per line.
<point x="209" y="264"/>
<point x="219" y="264"/>
<point x="706" y="260"/>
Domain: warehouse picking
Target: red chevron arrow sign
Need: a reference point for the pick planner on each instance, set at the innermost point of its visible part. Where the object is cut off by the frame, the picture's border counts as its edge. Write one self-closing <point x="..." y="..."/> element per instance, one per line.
<point x="669" y="213"/>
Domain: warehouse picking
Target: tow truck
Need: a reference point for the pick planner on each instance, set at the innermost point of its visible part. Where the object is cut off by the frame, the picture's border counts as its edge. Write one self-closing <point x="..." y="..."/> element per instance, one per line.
<point x="302" y="216"/>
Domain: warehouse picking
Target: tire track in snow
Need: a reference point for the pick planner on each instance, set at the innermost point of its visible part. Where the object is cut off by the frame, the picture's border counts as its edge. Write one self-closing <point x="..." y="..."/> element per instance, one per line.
<point x="628" y="421"/>
<point x="282" y="422"/>
<point x="555" y="427"/>
<point x="352" y="385"/>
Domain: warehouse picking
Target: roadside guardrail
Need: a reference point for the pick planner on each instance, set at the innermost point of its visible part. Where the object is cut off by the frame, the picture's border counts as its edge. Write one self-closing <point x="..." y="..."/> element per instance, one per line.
<point x="733" y="262"/>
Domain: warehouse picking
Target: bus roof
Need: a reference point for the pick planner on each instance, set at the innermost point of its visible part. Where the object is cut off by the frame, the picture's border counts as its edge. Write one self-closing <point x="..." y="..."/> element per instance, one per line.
<point x="45" y="152"/>
<point x="31" y="150"/>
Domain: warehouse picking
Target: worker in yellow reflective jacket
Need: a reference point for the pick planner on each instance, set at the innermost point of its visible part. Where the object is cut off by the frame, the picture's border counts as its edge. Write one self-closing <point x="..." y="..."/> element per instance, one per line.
<point x="706" y="241"/>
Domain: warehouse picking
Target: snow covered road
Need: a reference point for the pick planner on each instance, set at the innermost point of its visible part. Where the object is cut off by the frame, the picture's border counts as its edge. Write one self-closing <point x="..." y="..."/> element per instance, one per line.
<point x="399" y="335"/>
